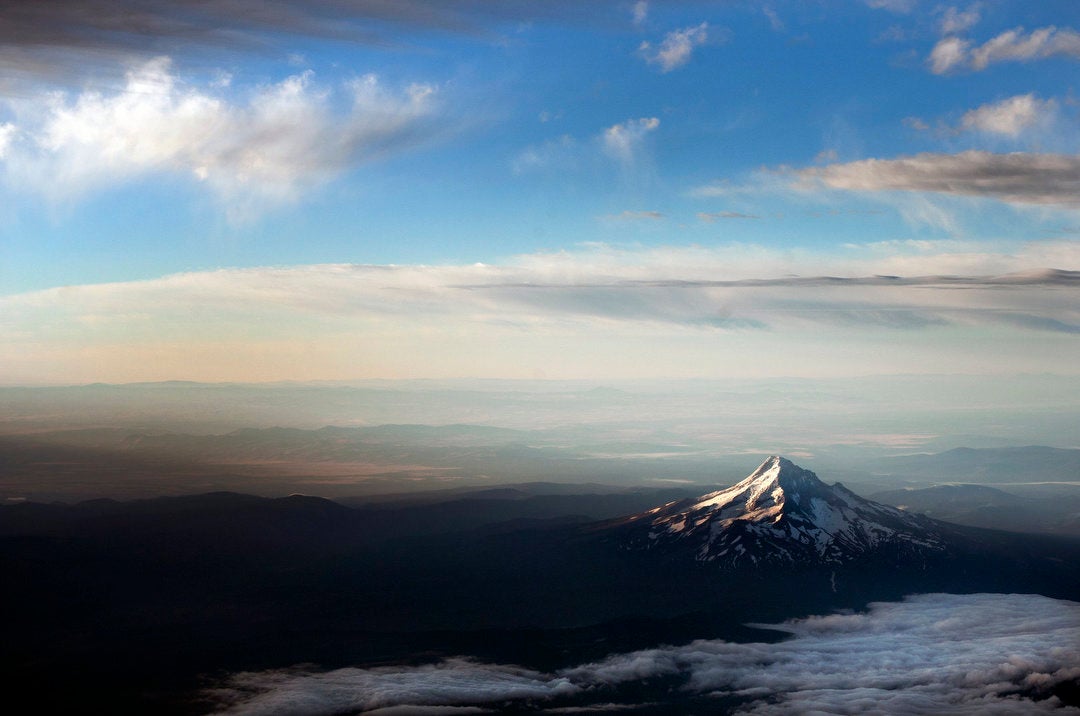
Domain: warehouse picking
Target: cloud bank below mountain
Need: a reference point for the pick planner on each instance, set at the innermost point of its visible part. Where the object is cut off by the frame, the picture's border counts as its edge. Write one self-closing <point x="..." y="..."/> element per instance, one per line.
<point x="931" y="653"/>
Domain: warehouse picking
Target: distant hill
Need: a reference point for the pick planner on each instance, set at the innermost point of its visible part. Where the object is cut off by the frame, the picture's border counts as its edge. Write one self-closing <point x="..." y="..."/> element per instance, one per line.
<point x="1033" y="463"/>
<point x="983" y="506"/>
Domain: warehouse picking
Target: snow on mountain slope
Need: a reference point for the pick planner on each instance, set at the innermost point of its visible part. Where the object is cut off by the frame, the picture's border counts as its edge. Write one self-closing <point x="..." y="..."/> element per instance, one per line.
<point x="783" y="514"/>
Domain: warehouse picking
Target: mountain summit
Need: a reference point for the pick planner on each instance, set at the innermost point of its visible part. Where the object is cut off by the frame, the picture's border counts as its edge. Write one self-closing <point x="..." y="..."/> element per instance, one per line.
<point x="783" y="514"/>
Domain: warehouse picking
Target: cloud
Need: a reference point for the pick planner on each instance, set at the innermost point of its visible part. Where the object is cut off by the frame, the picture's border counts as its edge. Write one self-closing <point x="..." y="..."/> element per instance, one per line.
<point x="560" y="152"/>
<point x="948" y="53"/>
<point x="7" y="134"/>
<point x="640" y="12"/>
<point x="953" y="53"/>
<point x="954" y="21"/>
<point x="915" y="123"/>
<point x="710" y="217"/>
<point x="623" y="140"/>
<point x="675" y="49"/>
<point x="452" y="682"/>
<point x="900" y="7"/>
<point x="629" y="215"/>
<point x="931" y="653"/>
<point x="59" y="39"/>
<point x="1015" y="178"/>
<point x="774" y="19"/>
<point x="1009" y="117"/>
<point x="251" y="155"/>
<point x="581" y="310"/>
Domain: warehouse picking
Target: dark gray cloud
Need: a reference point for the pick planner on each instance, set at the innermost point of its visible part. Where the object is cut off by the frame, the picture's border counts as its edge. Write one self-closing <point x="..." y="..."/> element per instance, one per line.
<point x="58" y="36"/>
<point x="1016" y="178"/>
<point x="929" y="654"/>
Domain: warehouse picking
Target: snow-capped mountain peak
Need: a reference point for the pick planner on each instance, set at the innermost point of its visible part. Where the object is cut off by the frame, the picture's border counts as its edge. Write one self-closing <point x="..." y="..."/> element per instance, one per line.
<point x="783" y="513"/>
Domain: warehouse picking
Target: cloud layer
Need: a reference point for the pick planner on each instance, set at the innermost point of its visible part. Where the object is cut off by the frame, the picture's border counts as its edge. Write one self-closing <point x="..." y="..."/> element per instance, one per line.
<point x="692" y="310"/>
<point x="284" y="138"/>
<point x="931" y="653"/>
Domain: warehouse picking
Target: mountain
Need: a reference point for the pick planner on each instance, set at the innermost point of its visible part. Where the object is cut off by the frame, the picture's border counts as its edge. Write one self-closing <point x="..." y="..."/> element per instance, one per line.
<point x="783" y="514"/>
<point x="228" y="582"/>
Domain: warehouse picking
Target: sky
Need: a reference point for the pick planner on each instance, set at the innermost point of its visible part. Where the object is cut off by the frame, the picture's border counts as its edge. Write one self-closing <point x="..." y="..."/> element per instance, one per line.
<point x="248" y="191"/>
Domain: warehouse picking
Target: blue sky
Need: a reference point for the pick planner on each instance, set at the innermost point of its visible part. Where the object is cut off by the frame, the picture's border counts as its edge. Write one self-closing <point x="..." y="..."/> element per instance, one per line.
<point x="157" y="156"/>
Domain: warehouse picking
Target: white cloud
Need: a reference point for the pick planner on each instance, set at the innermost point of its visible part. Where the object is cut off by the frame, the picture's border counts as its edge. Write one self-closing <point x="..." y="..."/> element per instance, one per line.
<point x="675" y="49"/>
<point x="952" y="53"/>
<point x="948" y="53"/>
<point x="7" y="134"/>
<point x="286" y="137"/>
<point x="932" y="653"/>
<point x="623" y="140"/>
<point x="1016" y="178"/>
<point x="954" y="21"/>
<point x="640" y="12"/>
<point x="1009" y="117"/>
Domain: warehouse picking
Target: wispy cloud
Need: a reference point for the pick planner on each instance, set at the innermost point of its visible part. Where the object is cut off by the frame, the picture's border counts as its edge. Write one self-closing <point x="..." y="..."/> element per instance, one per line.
<point x="953" y="53"/>
<point x="900" y="7"/>
<point x="711" y="216"/>
<point x="557" y="153"/>
<point x="254" y="154"/>
<point x="1016" y="178"/>
<point x="630" y="215"/>
<point x="953" y="20"/>
<point x="932" y="653"/>
<point x="623" y="140"/>
<point x="775" y="22"/>
<point x="675" y="49"/>
<point x="640" y="12"/>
